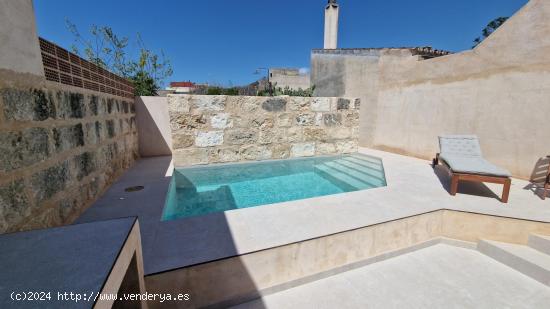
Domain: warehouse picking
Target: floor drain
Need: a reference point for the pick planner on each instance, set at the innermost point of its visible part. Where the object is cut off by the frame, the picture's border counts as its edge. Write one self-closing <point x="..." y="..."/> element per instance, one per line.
<point x="134" y="189"/>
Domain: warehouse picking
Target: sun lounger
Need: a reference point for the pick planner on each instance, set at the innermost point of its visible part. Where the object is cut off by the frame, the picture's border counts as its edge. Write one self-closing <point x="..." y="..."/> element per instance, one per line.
<point x="461" y="155"/>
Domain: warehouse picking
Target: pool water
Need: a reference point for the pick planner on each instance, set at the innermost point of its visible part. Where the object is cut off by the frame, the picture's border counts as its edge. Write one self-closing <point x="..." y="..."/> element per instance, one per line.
<point x="203" y="190"/>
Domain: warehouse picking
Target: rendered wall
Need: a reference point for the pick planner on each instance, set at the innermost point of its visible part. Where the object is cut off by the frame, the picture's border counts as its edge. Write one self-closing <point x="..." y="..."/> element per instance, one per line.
<point x="153" y="122"/>
<point x="499" y="91"/>
<point x="19" y="51"/>
<point x="213" y="129"/>
<point x="291" y="78"/>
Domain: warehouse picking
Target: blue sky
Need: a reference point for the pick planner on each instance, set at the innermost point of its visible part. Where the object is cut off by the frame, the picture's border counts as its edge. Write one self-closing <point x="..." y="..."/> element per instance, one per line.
<point x="224" y="41"/>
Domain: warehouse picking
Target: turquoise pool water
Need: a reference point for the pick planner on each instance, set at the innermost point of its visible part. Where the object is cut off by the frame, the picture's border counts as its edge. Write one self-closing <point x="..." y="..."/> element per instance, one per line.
<point x="203" y="190"/>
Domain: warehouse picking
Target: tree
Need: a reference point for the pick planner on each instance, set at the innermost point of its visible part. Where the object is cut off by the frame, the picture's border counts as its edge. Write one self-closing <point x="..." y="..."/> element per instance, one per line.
<point x="109" y="51"/>
<point x="489" y="29"/>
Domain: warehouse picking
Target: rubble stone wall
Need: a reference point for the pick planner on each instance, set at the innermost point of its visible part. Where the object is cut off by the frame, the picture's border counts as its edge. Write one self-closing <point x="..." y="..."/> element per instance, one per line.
<point x="60" y="148"/>
<point x="220" y="129"/>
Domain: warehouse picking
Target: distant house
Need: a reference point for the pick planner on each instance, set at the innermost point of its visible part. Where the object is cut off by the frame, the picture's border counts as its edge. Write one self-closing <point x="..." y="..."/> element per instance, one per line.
<point x="181" y="87"/>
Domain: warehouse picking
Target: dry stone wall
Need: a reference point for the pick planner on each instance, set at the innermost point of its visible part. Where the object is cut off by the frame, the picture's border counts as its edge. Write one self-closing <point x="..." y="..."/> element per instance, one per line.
<point x="220" y="129"/>
<point x="60" y="148"/>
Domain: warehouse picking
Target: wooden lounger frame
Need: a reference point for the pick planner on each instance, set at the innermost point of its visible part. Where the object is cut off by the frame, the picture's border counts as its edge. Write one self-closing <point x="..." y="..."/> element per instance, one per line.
<point x="456" y="177"/>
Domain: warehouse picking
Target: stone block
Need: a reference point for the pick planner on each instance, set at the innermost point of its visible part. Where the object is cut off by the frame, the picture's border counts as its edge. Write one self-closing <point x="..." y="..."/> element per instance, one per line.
<point x="28" y="105"/>
<point x="325" y="149"/>
<point x="299" y="104"/>
<point x="284" y="120"/>
<point x="302" y="150"/>
<point x="274" y="105"/>
<point x="224" y="155"/>
<point x="93" y="133"/>
<point x="305" y="119"/>
<point x="343" y="104"/>
<point x="191" y="156"/>
<point x="352" y="119"/>
<point x="221" y="121"/>
<point x="280" y="151"/>
<point x="182" y="140"/>
<point x="346" y="146"/>
<point x="295" y="134"/>
<point x="188" y="122"/>
<point x="179" y="104"/>
<point x="331" y="120"/>
<point x="318" y="119"/>
<point x="14" y="204"/>
<point x="209" y="139"/>
<point x="94" y="105"/>
<point x="84" y="164"/>
<point x="68" y="137"/>
<point x="46" y="183"/>
<point x="315" y="134"/>
<point x="340" y="133"/>
<point x="262" y="121"/>
<point x="111" y="128"/>
<point x="241" y="136"/>
<point x="269" y="136"/>
<point x="320" y="105"/>
<point x="208" y="103"/>
<point x="255" y="152"/>
<point x="20" y="149"/>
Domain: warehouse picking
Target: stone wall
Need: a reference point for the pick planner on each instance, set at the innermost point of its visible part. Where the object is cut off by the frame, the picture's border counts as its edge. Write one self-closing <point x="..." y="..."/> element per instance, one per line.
<point x="215" y="129"/>
<point x="60" y="148"/>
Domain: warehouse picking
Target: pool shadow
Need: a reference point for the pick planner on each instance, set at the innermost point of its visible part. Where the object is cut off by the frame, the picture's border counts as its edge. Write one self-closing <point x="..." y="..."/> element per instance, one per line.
<point x="464" y="187"/>
<point x="170" y="248"/>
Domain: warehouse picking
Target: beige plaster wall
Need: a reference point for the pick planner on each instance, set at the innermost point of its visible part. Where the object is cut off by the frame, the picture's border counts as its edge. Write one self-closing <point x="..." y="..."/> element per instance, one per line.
<point x="19" y="49"/>
<point x="499" y="91"/>
<point x="153" y="122"/>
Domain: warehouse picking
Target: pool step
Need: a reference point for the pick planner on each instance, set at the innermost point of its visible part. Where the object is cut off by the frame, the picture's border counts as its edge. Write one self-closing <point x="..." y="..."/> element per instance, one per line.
<point x="361" y="169"/>
<point x="360" y="176"/>
<point x="342" y="179"/>
<point x="525" y="259"/>
<point x="375" y="166"/>
<point x="540" y="243"/>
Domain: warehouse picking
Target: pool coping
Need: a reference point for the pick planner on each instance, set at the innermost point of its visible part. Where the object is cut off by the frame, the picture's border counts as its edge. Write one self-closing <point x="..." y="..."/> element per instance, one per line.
<point x="180" y="243"/>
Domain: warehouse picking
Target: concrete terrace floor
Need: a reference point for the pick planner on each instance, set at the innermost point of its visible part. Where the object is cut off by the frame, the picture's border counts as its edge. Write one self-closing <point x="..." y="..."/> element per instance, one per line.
<point x="440" y="276"/>
<point x="413" y="188"/>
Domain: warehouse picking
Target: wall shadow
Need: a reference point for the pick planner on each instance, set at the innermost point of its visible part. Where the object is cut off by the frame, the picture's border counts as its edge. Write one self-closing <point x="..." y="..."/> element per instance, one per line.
<point x="538" y="177"/>
<point x="464" y="187"/>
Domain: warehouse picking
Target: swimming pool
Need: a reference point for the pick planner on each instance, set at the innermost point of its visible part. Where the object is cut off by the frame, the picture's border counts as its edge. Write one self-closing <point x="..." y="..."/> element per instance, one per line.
<point x="202" y="190"/>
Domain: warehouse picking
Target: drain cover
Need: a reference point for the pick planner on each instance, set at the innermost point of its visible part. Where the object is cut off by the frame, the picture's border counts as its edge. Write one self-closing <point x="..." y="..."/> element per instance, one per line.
<point x="134" y="189"/>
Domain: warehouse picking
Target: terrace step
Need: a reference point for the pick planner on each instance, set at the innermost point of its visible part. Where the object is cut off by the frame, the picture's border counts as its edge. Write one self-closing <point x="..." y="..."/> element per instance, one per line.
<point x="524" y="259"/>
<point x="540" y="243"/>
<point x="345" y="181"/>
<point x="355" y="174"/>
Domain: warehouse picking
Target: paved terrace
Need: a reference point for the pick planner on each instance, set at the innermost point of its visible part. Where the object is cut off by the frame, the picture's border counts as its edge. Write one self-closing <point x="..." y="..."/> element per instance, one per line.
<point x="440" y="276"/>
<point x="413" y="188"/>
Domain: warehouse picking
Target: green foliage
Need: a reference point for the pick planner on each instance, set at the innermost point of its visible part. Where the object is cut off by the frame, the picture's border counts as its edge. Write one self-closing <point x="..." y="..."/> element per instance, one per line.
<point x="489" y="29"/>
<point x="214" y="91"/>
<point x="222" y="91"/>
<point x="106" y="49"/>
<point x="288" y="91"/>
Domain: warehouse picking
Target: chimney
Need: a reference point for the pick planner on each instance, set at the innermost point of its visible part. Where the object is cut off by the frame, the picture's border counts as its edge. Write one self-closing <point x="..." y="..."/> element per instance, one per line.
<point x="331" y="25"/>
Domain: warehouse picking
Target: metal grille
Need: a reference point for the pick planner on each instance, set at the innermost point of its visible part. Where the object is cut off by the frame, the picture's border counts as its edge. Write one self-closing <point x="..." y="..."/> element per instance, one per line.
<point x="64" y="67"/>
